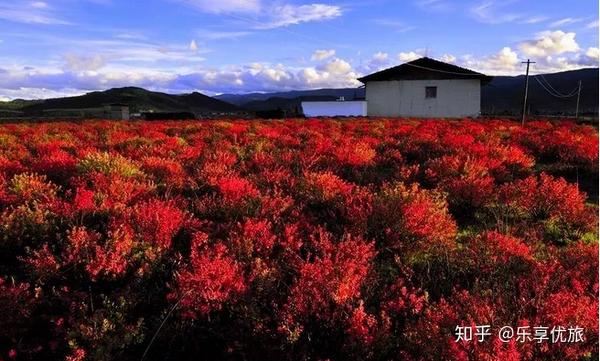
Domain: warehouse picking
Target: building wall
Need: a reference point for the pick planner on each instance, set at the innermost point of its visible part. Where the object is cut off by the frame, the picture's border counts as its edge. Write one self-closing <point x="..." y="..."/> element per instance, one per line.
<point x="406" y="98"/>
<point x="335" y="108"/>
<point x="117" y="112"/>
<point x="125" y="113"/>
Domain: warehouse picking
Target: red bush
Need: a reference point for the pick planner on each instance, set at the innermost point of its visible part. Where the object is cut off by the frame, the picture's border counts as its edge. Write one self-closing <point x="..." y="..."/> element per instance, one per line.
<point x="315" y="239"/>
<point x="156" y="222"/>
<point x="546" y="204"/>
<point x="213" y="279"/>
<point x="411" y="220"/>
<point x="327" y="285"/>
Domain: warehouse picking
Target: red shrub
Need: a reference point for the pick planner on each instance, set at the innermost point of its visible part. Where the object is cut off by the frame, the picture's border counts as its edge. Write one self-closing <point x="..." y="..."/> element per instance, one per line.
<point x="362" y="326"/>
<point x="494" y="249"/>
<point x="355" y="153"/>
<point x="167" y="172"/>
<point x="213" y="280"/>
<point x="552" y="203"/>
<point x="327" y="285"/>
<point x="19" y="299"/>
<point x="568" y="309"/>
<point x="254" y="238"/>
<point x="84" y="200"/>
<point x="312" y="239"/>
<point x="235" y="190"/>
<point x="28" y="188"/>
<point x="412" y="220"/>
<point x="401" y="299"/>
<point x="325" y="187"/>
<point x="100" y="257"/>
<point x="56" y="164"/>
<point x="112" y="191"/>
<point x="156" y="222"/>
<point x="10" y="167"/>
<point x="467" y="180"/>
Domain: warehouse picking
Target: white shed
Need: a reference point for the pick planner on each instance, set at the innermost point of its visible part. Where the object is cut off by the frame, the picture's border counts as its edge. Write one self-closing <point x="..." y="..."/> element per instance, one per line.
<point x="424" y="88"/>
<point x="340" y="108"/>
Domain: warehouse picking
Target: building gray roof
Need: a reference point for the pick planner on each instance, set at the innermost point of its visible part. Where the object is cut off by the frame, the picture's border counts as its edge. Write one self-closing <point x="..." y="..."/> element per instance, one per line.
<point x="425" y="68"/>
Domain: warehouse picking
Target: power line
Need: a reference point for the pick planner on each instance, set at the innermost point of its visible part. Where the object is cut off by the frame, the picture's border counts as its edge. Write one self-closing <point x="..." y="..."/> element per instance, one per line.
<point x="554" y="93"/>
<point x="559" y="94"/>
<point x="439" y="71"/>
<point x="562" y="96"/>
<point x="549" y="91"/>
<point x="547" y="83"/>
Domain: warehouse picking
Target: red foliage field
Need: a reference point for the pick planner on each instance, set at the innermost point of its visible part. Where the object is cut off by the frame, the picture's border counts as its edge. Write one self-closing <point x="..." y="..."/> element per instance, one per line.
<point x="361" y="239"/>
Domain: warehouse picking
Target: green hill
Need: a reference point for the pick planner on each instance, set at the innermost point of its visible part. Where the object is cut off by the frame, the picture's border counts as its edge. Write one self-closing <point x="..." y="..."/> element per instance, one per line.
<point x="138" y="100"/>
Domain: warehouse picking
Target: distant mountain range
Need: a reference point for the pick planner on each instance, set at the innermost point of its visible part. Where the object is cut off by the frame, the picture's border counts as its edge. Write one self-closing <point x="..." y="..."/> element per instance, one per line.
<point x="505" y="94"/>
<point x="502" y="96"/>
<point x="138" y="100"/>
<point x="318" y="94"/>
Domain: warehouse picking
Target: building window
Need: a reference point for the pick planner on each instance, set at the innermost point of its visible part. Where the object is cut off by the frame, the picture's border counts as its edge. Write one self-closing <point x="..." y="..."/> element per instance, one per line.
<point x="430" y="92"/>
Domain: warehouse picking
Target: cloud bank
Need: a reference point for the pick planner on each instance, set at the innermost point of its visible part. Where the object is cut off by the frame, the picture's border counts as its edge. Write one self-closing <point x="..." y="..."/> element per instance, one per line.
<point x="103" y="64"/>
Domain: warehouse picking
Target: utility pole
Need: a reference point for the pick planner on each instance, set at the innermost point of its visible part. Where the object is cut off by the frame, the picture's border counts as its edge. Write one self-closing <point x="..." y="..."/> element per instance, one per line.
<point x="526" y="90"/>
<point x="578" y="95"/>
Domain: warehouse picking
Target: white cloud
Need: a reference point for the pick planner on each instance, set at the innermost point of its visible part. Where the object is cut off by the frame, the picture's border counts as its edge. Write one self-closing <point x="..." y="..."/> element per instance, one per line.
<point x="380" y="60"/>
<point x="506" y="61"/>
<point x="267" y="15"/>
<point x="245" y="78"/>
<point x="493" y="12"/>
<point x="434" y="5"/>
<point x="322" y="54"/>
<point x="534" y="19"/>
<point x="130" y="35"/>
<point x="101" y="2"/>
<point x="380" y="57"/>
<point x="39" y="5"/>
<point x="395" y="25"/>
<point x="76" y="62"/>
<point x="410" y="56"/>
<point x="30" y="13"/>
<point x="221" y="35"/>
<point x="592" y="25"/>
<point x="131" y="51"/>
<point x="337" y="66"/>
<point x="550" y="43"/>
<point x="58" y="80"/>
<point x="37" y="93"/>
<point x="592" y="53"/>
<point x="175" y="70"/>
<point x="448" y="58"/>
<point x="224" y="6"/>
<point x="264" y="77"/>
<point x="286" y="15"/>
<point x="193" y="46"/>
<point x="551" y="64"/>
<point x="565" y="21"/>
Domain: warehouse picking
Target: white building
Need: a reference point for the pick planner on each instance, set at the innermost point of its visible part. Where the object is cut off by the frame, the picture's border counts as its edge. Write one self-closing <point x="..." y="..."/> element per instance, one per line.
<point x="424" y="88"/>
<point x="340" y="108"/>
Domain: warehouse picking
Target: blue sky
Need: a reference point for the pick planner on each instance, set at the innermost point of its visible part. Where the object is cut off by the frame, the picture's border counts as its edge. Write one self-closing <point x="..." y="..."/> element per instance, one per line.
<point x="65" y="47"/>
